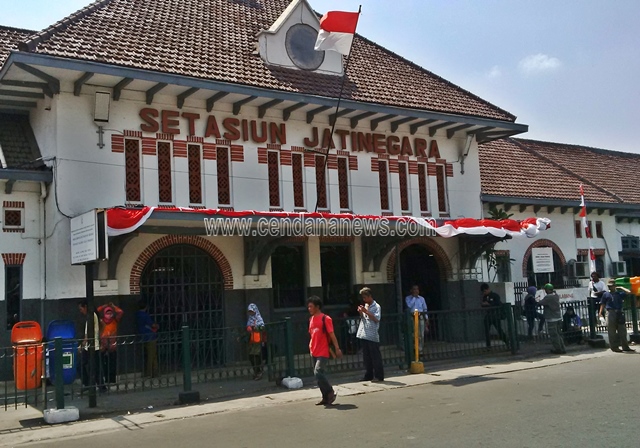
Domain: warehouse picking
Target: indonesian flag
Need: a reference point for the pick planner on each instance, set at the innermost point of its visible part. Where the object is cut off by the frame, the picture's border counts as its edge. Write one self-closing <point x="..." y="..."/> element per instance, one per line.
<point x="336" y="31"/>
<point x="587" y="231"/>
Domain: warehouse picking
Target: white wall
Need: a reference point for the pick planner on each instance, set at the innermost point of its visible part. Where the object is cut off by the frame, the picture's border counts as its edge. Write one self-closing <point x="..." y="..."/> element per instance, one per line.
<point x="562" y="233"/>
<point x="88" y="177"/>
<point x="27" y="242"/>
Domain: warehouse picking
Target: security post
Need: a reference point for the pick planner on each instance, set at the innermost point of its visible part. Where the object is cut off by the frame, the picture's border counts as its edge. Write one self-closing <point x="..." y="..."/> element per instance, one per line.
<point x="187" y="395"/>
<point x="58" y="380"/>
<point x="416" y="366"/>
<point x="60" y="414"/>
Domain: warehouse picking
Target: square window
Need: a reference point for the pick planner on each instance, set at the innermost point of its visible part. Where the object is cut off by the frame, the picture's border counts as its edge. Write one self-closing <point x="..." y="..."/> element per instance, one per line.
<point x="13" y="219"/>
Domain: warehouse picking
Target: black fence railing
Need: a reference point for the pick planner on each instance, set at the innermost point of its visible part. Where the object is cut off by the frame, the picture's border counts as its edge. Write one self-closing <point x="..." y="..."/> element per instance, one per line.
<point x="182" y="358"/>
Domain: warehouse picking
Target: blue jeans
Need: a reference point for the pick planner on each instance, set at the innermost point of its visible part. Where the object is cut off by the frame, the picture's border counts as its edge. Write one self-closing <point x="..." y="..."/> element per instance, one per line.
<point x="319" y="365"/>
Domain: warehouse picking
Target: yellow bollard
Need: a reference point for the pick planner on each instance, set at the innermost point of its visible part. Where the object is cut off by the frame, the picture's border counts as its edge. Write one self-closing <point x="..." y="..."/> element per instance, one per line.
<point x="416" y="366"/>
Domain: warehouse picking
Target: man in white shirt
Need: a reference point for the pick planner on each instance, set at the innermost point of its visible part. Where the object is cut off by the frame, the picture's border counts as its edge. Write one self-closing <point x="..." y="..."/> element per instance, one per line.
<point x="415" y="302"/>
<point x="596" y="287"/>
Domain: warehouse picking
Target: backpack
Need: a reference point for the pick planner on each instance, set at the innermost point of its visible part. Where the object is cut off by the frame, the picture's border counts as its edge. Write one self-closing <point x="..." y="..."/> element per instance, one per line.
<point x="332" y="351"/>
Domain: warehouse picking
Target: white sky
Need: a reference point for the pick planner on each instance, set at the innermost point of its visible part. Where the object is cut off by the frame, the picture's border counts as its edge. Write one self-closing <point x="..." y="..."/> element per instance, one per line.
<point x="569" y="69"/>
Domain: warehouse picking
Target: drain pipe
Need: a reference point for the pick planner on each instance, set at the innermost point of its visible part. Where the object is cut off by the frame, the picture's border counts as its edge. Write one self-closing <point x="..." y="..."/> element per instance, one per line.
<point x="465" y="151"/>
<point x="43" y="251"/>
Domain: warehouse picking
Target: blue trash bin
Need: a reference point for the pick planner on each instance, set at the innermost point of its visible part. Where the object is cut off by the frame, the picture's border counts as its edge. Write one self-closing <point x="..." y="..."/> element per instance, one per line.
<point x="65" y="329"/>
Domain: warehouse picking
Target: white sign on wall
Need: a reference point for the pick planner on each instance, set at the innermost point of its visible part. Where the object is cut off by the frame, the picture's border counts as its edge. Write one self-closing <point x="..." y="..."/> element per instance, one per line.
<point x="542" y="259"/>
<point x="89" y="237"/>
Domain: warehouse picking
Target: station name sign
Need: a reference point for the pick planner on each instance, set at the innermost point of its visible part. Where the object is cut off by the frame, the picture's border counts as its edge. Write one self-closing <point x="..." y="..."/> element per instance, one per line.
<point x="260" y="131"/>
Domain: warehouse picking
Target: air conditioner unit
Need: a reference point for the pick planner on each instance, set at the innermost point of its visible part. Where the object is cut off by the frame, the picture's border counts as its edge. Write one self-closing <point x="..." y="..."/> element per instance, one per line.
<point x="581" y="269"/>
<point x="619" y="269"/>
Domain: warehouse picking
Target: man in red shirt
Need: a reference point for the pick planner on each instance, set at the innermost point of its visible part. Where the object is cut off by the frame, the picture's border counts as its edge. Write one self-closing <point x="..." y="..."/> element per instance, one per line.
<point x="321" y="332"/>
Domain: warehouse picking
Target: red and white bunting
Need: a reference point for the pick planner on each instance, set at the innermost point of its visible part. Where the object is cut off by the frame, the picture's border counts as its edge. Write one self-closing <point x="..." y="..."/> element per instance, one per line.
<point x="121" y="221"/>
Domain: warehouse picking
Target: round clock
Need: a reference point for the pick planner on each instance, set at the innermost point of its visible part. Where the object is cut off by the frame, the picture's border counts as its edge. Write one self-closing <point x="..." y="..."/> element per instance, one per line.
<point x="299" y="43"/>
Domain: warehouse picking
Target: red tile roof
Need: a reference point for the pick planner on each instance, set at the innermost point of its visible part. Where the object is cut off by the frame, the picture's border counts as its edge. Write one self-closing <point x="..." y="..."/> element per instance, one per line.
<point x="216" y="40"/>
<point x="545" y="170"/>
<point x="9" y="38"/>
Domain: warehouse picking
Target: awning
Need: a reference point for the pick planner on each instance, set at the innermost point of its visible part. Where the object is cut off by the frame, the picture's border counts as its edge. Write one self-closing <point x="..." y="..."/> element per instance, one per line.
<point x="217" y="222"/>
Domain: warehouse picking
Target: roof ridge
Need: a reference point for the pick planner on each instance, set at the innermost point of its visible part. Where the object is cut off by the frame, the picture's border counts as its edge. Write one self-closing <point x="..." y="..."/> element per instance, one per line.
<point x="13" y="28"/>
<point x="422" y="69"/>
<point x="565" y="169"/>
<point x="32" y="43"/>
<point x="588" y="148"/>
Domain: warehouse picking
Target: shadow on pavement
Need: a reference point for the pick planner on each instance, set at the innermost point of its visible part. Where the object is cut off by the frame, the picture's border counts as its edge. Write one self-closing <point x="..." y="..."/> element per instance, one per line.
<point x="465" y="381"/>
<point x="343" y="407"/>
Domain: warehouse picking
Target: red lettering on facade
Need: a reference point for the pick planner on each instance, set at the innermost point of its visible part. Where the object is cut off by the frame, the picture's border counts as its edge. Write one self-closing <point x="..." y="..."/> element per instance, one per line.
<point x="169" y="124"/>
<point x="393" y="147"/>
<point x="327" y="140"/>
<point x="148" y="115"/>
<point x="406" y="147"/>
<point x="191" y="119"/>
<point x="263" y="131"/>
<point x="420" y="146"/>
<point x="231" y="125"/>
<point x="343" y="138"/>
<point x="365" y="141"/>
<point x="245" y="130"/>
<point x="313" y="141"/>
<point x="278" y="133"/>
<point x="274" y="133"/>
<point x="212" y="128"/>
<point x="434" y="151"/>
<point x="379" y="143"/>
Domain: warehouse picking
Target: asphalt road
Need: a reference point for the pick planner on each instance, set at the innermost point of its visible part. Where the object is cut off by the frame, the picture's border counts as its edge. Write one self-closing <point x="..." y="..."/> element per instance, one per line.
<point x="590" y="403"/>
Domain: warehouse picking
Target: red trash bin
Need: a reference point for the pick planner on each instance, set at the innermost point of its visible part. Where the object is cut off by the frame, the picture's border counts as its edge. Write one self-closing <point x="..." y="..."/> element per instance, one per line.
<point x="27" y="355"/>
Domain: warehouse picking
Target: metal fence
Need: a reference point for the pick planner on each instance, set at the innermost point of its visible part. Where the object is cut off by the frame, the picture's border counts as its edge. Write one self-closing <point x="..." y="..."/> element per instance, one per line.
<point x="180" y="358"/>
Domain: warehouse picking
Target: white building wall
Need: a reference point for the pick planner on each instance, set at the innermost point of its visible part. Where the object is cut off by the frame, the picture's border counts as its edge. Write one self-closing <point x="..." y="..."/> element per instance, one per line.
<point x="88" y="177"/>
<point x="562" y="233"/>
<point x="27" y="242"/>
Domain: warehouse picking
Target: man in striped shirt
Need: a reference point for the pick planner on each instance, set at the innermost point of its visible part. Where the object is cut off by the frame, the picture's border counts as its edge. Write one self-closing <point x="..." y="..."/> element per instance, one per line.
<point x="369" y="338"/>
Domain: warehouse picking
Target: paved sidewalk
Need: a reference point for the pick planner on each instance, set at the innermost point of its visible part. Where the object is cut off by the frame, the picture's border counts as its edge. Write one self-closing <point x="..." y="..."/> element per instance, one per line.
<point x="146" y="408"/>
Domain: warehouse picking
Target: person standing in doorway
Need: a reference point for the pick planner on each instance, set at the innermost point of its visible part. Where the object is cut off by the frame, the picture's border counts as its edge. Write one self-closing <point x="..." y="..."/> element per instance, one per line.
<point x="256" y="330"/>
<point x="368" y="334"/>
<point x="553" y="316"/>
<point x="492" y="303"/>
<point x="84" y="352"/>
<point x="321" y="334"/>
<point x="613" y="302"/>
<point x="148" y="331"/>
<point x="415" y="302"/>
<point x="110" y="316"/>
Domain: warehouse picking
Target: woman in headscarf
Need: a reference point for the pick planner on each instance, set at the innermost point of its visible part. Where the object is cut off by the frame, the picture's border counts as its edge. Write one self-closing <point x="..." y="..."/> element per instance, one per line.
<point x="531" y="311"/>
<point x="256" y="330"/>
<point x="110" y="317"/>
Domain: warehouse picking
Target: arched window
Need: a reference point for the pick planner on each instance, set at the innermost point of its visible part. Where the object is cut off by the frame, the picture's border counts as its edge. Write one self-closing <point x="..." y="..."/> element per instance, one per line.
<point x="556" y="277"/>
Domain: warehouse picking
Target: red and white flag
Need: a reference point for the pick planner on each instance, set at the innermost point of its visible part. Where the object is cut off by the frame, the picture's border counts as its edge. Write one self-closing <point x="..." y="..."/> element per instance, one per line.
<point x="587" y="230"/>
<point x="336" y="31"/>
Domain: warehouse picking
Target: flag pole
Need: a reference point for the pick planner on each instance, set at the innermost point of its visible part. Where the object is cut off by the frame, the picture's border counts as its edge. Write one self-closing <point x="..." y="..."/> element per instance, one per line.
<point x="587" y="232"/>
<point x="333" y="125"/>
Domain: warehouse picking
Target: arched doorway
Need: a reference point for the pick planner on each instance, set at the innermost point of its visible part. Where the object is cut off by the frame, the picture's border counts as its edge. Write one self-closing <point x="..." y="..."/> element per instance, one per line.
<point x="556" y="277"/>
<point x="418" y="265"/>
<point x="183" y="285"/>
